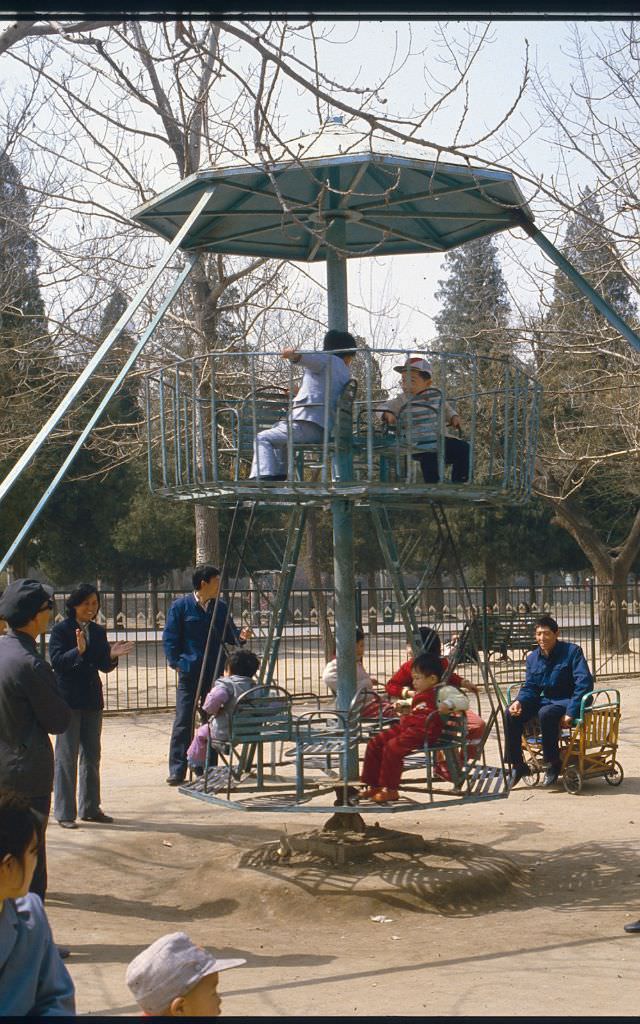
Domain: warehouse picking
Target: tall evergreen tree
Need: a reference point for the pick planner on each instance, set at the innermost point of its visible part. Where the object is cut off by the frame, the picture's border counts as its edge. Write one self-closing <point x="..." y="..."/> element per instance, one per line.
<point x="474" y="323"/>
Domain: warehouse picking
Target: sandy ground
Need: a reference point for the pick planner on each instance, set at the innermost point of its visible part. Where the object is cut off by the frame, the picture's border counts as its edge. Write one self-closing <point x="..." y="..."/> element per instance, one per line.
<point x="516" y="909"/>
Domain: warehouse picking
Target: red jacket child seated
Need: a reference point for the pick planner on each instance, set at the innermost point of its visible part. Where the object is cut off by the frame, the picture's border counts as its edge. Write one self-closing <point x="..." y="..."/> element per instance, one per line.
<point x="401" y="685"/>
<point x="386" y="750"/>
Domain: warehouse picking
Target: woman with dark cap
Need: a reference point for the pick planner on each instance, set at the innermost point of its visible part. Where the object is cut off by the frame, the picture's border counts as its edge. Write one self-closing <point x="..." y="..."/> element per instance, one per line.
<point x="78" y="650"/>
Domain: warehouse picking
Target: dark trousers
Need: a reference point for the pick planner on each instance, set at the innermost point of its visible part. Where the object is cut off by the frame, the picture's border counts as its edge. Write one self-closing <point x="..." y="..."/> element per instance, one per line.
<point x="41" y="805"/>
<point x="182" y="731"/>
<point x="549" y="713"/>
<point x="81" y="738"/>
<point x="456" y="455"/>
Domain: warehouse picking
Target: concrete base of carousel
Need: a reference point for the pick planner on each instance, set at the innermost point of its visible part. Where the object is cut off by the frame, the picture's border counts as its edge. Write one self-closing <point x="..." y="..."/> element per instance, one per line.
<point x="381" y="867"/>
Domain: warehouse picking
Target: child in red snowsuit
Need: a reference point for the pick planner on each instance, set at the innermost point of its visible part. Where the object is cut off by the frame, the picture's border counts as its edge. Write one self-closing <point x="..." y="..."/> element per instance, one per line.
<point x="386" y="750"/>
<point x="400" y="685"/>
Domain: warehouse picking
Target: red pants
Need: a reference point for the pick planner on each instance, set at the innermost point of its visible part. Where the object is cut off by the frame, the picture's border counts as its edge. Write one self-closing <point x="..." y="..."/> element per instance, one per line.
<point x="475" y="729"/>
<point x="384" y="756"/>
<point x="386" y="750"/>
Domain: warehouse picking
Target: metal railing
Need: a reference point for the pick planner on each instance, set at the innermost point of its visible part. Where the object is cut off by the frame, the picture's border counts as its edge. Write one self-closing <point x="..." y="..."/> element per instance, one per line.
<point x="204" y="413"/>
<point x="144" y="681"/>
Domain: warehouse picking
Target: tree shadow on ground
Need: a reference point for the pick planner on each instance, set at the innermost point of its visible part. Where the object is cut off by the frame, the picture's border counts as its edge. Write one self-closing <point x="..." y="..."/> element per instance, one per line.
<point x="460" y="879"/>
<point x="97" y="903"/>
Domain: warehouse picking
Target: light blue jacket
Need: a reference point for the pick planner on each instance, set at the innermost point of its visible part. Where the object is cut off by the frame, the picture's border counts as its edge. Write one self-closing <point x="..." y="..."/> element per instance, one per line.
<point x="321" y="370"/>
<point x="33" y="979"/>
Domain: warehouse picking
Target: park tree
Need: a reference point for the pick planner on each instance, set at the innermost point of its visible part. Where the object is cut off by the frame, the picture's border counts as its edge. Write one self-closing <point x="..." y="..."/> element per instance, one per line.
<point x="30" y="369"/>
<point x="589" y="453"/>
<point x="474" y="322"/>
<point x="103" y="478"/>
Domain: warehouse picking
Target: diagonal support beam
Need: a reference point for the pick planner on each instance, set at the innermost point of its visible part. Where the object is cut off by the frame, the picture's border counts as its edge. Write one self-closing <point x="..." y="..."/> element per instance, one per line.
<point x="580" y="282"/>
<point x="387" y="543"/>
<point x="42" y="435"/>
<point x="281" y="600"/>
<point x="113" y="387"/>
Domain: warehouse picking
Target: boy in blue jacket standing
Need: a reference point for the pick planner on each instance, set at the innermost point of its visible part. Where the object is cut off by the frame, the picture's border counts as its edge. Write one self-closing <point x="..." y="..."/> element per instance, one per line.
<point x="557" y="678"/>
<point x="185" y="641"/>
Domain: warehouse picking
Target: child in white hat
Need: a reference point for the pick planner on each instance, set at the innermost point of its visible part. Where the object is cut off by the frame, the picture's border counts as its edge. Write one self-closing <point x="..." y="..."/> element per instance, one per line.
<point x="175" y="978"/>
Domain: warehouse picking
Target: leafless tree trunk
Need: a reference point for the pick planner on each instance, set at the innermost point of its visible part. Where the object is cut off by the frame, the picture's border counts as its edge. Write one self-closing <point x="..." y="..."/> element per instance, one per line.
<point x="207" y="535"/>
<point x="612" y="568"/>
<point x="311" y="560"/>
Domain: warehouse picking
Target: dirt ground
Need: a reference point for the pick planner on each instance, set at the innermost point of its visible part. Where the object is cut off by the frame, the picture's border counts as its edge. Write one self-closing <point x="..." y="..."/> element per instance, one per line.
<point x="517" y="907"/>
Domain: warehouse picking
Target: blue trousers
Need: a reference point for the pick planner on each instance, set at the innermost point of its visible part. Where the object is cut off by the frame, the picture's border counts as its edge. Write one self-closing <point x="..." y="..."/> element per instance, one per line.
<point x="270" y="446"/>
<point x="81" y="738"/>
<point x="549" y="713"/>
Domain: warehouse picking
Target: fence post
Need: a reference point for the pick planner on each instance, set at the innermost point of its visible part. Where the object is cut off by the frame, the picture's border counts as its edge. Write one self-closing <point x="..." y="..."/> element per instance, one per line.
<point x="592" y="610"/>
<point x="359" y="604"/>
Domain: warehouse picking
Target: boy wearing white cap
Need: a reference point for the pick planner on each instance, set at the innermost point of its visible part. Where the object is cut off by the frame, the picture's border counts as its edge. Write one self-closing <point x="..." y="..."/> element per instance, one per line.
<point x="175" y="978"/>
<point x="416" y="380"/>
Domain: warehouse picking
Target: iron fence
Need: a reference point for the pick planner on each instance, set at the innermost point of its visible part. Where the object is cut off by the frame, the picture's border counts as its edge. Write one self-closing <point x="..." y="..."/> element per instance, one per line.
<point x="143" y="680"/>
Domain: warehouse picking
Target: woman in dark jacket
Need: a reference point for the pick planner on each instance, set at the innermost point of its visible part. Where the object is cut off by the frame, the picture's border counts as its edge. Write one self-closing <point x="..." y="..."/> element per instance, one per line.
<point x="78" y="648"/>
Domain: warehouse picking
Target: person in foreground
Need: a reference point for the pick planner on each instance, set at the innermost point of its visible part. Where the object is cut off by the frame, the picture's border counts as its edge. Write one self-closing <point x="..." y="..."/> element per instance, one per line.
<point x="557" y="678"/>
<point x="30" y="706"/>
<point x="33" y="979"/>
<point x="385" y="751"/>
<point x="175" y="978"/>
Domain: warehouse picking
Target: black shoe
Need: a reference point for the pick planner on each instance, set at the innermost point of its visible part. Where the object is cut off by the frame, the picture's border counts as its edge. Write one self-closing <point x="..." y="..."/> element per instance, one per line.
<point x="175" y="780"/>
<point x="550" y="777"/>
<point x="100" y="817"/>
<point x="633" y="927"/>
<point x="352" y="796"/>
<point x="68" y="824"/>
<point x="64" y="952"/>
<point x="520" y="771"/>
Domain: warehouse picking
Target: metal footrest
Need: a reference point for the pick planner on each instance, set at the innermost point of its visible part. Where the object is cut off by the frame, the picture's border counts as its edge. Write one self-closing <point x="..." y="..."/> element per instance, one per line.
<point x="483" y="780"/>
<point x="217" y="779"/>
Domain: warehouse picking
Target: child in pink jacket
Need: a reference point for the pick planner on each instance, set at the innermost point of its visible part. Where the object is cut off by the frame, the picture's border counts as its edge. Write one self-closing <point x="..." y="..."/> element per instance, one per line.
<point x="219" y="703"/>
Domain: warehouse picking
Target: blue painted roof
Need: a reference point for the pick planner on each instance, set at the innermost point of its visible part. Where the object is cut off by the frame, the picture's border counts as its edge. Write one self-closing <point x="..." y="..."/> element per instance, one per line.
<point x="353" y="193"/>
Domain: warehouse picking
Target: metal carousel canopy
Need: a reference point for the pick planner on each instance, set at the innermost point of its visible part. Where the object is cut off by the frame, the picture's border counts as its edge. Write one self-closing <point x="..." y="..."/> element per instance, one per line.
<point x="338" y="188"/>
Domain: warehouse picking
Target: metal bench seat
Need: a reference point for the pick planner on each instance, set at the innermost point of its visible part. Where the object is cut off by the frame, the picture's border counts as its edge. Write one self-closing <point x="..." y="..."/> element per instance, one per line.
<point x="261" y="717"/>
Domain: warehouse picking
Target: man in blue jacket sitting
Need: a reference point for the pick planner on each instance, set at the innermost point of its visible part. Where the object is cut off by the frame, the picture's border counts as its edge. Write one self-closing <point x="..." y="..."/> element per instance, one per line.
<point x="185" y="642"/>
<point x="557" y="678"/>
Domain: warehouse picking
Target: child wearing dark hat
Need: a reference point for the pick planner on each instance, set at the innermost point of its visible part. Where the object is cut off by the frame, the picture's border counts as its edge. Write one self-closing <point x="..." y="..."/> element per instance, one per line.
<point x="324" y="370"/>
<point x="175" y="978"/>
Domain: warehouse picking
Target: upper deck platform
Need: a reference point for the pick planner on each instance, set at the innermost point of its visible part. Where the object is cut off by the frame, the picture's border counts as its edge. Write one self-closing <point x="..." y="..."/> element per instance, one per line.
<point x="204" y="413"/>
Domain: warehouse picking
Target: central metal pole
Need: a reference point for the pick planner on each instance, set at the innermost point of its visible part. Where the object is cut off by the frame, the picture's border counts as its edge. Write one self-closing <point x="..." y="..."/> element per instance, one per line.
<point x="342" y="515"/>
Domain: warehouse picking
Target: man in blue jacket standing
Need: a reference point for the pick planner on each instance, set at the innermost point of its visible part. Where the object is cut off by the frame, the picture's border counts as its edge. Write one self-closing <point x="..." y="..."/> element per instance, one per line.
<point x="557" y="678"/>
<point x="185" y="641"/>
